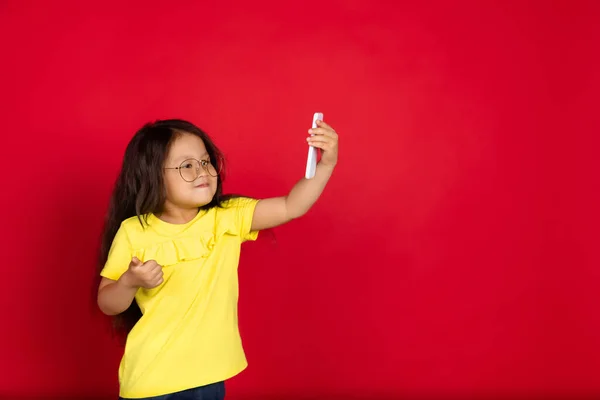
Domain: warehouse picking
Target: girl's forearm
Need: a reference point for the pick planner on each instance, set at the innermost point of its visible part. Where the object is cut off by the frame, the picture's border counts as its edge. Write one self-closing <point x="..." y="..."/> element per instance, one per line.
<point x="307" y="191"/>
<point x="116" y="297"/>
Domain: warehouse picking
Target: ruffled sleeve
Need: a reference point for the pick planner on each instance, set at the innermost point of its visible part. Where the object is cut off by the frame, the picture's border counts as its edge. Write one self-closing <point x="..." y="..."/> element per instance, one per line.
<point x="238" y="214"/>
<point x="119" y="256"/>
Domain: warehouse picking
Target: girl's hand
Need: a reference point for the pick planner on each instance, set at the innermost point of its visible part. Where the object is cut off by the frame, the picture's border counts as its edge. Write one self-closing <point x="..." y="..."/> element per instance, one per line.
<point x="147" y="275"/>
<point x="326" y="139"/>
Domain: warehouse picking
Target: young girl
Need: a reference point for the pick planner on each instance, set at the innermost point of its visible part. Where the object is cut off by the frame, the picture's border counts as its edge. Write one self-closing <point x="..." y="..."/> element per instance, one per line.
<point x="170" y="253"/>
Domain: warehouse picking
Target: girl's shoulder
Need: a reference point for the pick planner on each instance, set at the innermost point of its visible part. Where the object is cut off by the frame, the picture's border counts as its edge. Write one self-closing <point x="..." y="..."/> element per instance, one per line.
<point x="135" y="220"/>
<point x="135" y="225"/>
<point x="238" y="201"/>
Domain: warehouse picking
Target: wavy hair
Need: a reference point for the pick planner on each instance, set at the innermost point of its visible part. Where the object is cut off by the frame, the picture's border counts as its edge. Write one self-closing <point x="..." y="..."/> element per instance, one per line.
<point x="139" y="189"/>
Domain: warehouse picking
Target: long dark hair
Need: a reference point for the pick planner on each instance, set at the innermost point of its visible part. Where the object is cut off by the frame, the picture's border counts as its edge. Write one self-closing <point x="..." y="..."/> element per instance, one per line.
<point x="139" y="189"/>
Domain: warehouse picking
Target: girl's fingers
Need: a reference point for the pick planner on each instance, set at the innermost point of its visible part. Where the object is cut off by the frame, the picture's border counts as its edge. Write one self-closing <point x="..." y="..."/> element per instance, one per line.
<point x="323" y="144"/>
<point x="319" y="139"/>
<point x="323" y="124"/>
<point x="320" y="145"/>
<point x="323" y="132"/>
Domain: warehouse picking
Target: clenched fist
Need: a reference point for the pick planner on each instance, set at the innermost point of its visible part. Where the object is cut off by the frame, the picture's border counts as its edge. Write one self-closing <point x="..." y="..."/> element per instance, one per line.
<point x="147" y="275"/>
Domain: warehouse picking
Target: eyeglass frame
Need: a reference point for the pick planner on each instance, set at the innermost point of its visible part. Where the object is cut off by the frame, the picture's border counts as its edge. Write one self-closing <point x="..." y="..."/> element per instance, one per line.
<point x="203" y="163"/>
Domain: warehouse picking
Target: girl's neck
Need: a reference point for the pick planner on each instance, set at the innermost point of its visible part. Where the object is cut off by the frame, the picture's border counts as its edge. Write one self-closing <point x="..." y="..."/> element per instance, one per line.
<point x="175" y="215"/>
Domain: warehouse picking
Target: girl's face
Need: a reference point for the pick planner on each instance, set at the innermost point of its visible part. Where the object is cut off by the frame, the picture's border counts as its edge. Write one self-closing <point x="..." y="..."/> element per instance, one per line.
<point x="190" y="179"/>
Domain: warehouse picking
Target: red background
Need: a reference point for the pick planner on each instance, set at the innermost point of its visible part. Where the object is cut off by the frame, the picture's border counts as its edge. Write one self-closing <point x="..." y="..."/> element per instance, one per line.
<point x="455" y="251"/>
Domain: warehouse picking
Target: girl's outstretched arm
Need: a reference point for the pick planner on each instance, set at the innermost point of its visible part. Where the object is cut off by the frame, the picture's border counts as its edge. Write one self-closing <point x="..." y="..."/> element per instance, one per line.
<point x="276" y="211"/>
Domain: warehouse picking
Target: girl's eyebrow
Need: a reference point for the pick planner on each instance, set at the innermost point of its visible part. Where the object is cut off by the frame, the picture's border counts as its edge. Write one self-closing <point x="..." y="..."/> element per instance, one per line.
<point x="186" y="157"/>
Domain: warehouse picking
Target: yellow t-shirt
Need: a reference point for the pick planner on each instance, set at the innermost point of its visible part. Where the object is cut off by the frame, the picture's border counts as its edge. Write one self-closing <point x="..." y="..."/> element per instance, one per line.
<point x="188" y="335"/>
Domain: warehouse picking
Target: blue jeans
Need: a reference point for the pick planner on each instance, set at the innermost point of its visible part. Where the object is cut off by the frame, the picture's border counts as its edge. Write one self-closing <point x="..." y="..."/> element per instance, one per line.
<point x="214" y="391"/>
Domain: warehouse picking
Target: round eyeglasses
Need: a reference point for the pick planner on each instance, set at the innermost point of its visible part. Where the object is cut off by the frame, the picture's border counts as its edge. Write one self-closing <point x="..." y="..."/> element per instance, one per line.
<point x="190" y="169"/>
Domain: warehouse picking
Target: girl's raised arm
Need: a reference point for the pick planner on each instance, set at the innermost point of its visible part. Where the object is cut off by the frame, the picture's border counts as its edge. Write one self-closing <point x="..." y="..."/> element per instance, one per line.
<point x="276" y="211"/>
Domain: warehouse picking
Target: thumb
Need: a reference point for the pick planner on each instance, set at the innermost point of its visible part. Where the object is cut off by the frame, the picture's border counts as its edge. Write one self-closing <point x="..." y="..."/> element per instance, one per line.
<point x="135" y="262"/>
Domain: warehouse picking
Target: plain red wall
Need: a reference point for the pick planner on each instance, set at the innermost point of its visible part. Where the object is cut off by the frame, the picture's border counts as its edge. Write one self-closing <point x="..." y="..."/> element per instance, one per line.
<point x="455" y="250"/>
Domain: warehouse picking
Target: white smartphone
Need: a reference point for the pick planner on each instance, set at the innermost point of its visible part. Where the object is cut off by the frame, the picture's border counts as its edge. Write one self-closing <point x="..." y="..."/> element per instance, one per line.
<point x="311" y="160"/>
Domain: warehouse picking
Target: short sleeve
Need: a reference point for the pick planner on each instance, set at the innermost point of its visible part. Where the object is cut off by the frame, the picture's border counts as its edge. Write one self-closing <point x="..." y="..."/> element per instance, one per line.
<point x="242" y="212"/>
<point x="119" y="256"/>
